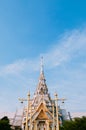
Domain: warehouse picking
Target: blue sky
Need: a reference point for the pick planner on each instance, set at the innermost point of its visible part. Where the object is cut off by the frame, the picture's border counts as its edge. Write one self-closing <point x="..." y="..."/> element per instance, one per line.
<point x="55" y="30"/>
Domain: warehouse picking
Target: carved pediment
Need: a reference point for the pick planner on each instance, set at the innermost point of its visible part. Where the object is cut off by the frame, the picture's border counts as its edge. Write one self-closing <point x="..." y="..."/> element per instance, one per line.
<point x="42" y="115"/>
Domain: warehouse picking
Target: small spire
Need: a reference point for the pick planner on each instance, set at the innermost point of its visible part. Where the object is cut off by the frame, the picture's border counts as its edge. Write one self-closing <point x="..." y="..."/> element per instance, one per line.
<point x="42" y="66"/>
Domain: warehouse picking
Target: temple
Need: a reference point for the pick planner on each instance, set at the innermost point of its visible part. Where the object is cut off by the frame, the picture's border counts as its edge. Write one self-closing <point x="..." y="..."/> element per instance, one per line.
<point x="43" y="112"/>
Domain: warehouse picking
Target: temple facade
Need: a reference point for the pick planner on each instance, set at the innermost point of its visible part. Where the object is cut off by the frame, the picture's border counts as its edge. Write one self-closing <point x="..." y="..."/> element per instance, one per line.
<point x="42" y="112"/>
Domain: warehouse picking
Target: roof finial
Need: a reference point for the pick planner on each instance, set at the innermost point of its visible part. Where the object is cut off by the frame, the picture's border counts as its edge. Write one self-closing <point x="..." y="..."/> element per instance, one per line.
<point x="42" y="65"/>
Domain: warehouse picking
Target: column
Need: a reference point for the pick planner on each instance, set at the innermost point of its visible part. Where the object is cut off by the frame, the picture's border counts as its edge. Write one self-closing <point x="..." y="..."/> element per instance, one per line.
<point x="53" y="117"/>
<point x="28" y="102"/>
<point x="30" y="116"/>
<point x="35" y="125"/>
<point x="57" y="116"/>
<point x="48" y="125"/>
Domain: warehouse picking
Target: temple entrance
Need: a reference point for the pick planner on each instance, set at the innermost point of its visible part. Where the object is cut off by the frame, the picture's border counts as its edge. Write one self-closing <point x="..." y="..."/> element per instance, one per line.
<point x="41" y="125"/>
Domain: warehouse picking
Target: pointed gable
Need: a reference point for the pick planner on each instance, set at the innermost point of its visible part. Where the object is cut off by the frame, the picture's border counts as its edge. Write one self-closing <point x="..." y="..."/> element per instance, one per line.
<point x="42" y="113"/>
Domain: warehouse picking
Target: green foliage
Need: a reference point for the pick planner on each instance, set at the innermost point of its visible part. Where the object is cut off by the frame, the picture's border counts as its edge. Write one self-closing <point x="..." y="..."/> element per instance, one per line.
<point x="76" y="124"/>
<point x="4" y="124"/>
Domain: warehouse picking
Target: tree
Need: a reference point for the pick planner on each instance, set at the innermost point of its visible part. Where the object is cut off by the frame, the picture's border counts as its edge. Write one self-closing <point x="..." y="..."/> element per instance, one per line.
<point x="4" y="124"/>
<point x="76" y="124"/>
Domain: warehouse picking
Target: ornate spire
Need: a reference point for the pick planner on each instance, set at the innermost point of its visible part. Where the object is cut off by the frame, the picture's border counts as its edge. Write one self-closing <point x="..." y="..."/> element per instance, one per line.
<point x="42" y="77"/>
<point x="41" y="90"/>
<point x="41" y="87"/>
<point x="42" y="66"/>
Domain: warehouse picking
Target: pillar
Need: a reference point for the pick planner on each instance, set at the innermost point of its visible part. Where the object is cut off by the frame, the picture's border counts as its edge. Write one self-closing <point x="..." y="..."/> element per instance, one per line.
<point x="53" y="118"/>
<point x="57" y="114"/>
<point x="48" y="125"/>
<point x="35" y="125"/>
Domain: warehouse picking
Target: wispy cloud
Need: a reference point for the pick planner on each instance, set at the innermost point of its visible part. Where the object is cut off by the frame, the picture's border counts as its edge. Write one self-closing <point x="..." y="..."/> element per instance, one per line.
<point x="18" y="67"/>
<point x="69" y="45"/>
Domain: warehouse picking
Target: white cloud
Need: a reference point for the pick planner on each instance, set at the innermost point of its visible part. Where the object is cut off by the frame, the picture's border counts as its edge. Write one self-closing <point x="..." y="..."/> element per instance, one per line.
<point x="69" y="45"/>
<point x="18" y="67"/>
